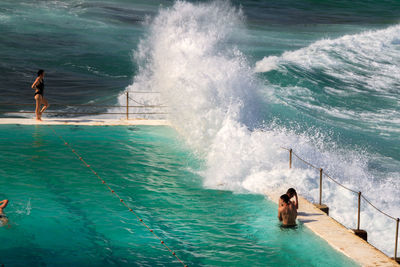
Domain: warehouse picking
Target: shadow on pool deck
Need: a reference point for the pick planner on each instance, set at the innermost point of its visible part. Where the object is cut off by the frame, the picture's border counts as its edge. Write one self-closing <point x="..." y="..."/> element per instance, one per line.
<point x="338" y="236"/>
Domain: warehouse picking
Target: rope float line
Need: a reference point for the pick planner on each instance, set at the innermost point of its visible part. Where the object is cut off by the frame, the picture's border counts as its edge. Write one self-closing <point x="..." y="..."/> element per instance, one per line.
<point x="113" y="192"/>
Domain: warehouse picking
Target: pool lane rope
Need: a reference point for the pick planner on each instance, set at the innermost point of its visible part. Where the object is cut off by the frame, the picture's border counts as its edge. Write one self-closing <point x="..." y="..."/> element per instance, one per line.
<point x="114" y="193"/>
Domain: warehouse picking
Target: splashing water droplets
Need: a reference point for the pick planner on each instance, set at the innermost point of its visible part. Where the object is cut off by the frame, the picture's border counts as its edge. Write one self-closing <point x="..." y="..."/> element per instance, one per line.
<point x="214" y="102"/>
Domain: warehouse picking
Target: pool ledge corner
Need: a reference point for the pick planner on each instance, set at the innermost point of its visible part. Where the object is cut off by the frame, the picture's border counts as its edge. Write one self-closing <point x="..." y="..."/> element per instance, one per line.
<point x="338" y="236"/>
<point x="83" y="121"/>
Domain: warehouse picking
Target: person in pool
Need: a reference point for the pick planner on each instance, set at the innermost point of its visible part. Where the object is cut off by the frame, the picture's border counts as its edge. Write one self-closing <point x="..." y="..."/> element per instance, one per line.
<point x="291" y="192"/>
<point x="3" y="217"/>
<point x="287" y="212"/>
<point x="38" y="85"/>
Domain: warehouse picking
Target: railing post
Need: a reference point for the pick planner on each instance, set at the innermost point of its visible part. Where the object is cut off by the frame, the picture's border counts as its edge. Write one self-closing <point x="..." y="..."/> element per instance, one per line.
<point x="321" y="206"/>
<point x="127" y="105"/>
<point x="359" y="208"/>
<point x="290" y="158"/>
<point x="320" y="185"/>
<point x="359" y="232"/>
<point x="397" y="237"/>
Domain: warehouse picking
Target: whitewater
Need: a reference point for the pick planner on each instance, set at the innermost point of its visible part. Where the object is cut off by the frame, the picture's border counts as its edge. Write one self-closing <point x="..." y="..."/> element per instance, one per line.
<point x="220" y="103"/>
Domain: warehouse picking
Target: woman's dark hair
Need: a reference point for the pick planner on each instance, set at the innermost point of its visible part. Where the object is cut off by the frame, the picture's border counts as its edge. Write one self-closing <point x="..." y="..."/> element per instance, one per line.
<point x="285" y="198"/>
<point x="40" y="72"/>
<point x="291" y="191"/>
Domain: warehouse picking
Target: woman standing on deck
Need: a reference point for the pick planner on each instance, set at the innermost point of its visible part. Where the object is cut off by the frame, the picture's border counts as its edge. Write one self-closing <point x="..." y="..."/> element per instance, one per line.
<point x="38" y="85"/>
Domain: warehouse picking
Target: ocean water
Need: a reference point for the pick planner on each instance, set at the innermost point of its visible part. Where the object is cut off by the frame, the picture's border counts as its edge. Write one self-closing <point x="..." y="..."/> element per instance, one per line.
<point x="241" y="79"/>
<point x="60" y="214"/>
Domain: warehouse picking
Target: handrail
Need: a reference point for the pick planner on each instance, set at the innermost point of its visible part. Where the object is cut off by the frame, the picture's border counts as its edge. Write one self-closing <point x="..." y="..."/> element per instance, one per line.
<point x="305" y="162"/>
<point x="340" y="184"/>
<point x="345" y="187"/>
<point x="144" y="92"/>
<point x="384" y="213"/>
<point x="126" y="107"/>
<point x="161" y="105"/>
<point x="91" y="113"/>
<point x="86" y="105"/>
<point x="127" y="113"/>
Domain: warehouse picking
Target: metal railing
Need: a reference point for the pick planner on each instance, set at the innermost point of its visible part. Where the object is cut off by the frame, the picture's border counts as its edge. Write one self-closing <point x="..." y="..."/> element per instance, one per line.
<point x="141" y="105"/>
<point x="360" y="196"/>
<point x="126" y="107"/>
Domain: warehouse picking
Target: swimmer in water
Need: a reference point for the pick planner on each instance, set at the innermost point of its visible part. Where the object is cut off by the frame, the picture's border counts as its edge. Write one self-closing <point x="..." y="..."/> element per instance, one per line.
<point x="3" y="217"/>
<point x="291" y="192"/>
<point x="38" y="85"/>
<point x="287" y="212"/>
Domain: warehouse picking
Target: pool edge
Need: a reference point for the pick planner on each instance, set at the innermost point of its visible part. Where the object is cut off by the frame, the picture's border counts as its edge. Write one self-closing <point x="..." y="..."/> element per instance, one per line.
<point x="83" y="121"/>
<point x="337" y="235"/>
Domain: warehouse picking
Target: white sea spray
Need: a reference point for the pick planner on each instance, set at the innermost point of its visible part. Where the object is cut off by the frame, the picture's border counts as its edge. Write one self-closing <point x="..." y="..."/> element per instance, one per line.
<point x="214" y="100"/>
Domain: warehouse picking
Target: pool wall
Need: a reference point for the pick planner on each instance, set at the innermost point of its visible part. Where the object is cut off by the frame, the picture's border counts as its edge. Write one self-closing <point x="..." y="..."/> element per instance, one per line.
<point x="338" y="236"/>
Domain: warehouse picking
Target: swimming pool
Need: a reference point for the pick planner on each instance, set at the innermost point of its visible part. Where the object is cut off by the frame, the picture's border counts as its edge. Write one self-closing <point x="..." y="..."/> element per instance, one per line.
<point x="61" y="215"/>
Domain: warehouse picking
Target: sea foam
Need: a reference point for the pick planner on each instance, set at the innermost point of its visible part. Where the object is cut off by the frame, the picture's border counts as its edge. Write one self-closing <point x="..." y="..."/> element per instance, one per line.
<point x="364" y="66"/>
<point x="216" y="105"/>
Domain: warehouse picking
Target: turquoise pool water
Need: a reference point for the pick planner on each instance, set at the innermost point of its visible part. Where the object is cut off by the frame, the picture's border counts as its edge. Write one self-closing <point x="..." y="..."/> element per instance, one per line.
<point x="61" y="215"/>
<point x="321" y="77"/>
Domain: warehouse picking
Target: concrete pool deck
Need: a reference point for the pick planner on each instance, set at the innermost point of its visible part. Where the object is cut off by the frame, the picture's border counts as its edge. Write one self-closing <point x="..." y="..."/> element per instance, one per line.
<point x="337" y="235"/>
<point x="81" y="121"/>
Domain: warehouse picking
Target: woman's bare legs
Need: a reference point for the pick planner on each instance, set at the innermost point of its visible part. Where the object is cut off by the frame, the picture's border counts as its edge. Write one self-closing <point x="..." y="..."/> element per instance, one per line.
<point x="45" y="105"/>
<point x="38" y="99"/>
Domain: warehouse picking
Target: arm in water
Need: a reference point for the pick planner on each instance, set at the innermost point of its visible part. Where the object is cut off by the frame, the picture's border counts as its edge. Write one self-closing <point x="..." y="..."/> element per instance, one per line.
<point x="3" y="217"/>
<point x="4" y="204"/>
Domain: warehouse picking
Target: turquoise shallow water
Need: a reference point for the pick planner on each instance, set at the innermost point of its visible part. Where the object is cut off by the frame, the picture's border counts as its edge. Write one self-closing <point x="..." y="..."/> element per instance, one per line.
<point x="318" y="76"/>
<point x="61" y="215"/>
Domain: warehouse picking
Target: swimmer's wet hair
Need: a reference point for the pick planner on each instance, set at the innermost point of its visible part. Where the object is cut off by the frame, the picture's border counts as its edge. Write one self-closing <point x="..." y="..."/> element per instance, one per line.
<point x="291" y="191"/>
<point x="40" y="72"/>
<point x="285" y="198"/>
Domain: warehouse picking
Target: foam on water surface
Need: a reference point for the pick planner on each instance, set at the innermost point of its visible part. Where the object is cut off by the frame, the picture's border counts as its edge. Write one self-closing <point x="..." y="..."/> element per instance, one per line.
<point x="60" y="214"/>
<point x="217" y="104"/>
<point x="363" y="67"/>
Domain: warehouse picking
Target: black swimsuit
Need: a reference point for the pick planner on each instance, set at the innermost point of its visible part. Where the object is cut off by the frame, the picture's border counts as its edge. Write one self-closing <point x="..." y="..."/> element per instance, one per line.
<point x="40" y="88"/>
